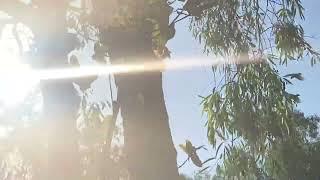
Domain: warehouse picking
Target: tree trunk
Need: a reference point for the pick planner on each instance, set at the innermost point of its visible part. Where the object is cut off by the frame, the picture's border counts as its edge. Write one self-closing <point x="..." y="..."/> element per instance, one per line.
<point x="61" y="103"/>
<point x="60" y="99"/>
<point x="60" y="110"/>
<point x="148" y="143"/>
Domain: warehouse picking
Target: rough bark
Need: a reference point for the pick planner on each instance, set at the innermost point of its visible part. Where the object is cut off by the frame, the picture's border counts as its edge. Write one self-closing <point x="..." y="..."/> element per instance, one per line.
<point x="148" y="143"/>
<point x="60" y="100"/>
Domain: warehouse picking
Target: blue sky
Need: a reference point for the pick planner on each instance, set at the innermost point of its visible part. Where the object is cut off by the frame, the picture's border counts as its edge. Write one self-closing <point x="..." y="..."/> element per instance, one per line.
<point x="183" y="87"/>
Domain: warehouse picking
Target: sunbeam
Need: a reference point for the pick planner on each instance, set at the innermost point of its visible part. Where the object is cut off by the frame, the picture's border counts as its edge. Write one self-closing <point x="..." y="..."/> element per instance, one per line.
<point x="146" y="66"/>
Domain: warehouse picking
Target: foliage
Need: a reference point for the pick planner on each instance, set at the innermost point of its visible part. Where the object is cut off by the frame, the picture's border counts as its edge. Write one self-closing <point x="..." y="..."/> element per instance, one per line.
<point x="198" y="176"/>
<point x="100" y="147"/>
<point x="293" y="157"/>
<point x="254" y="105"/>
<point x="23" y="149"/>
<point x="147" y="17"/>
<point x="235" y="27"/>
<point x="250" y="112"/>
<point x="18" y="155"/>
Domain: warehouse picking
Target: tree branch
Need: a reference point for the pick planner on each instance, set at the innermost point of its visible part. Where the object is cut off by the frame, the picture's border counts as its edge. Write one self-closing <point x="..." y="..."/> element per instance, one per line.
<point x="184" y="162"/>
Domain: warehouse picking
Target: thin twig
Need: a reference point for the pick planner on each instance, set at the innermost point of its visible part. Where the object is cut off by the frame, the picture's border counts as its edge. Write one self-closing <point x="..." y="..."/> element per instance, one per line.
<point x="111" y="95"/>
<point x="183" y="18"/>
<point x="210" y="159"/>
<point x="184" y="162"/>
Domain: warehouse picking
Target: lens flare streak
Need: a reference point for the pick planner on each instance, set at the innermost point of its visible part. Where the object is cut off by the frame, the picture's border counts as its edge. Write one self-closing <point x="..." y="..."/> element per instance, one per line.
<point x="83" y="71"/>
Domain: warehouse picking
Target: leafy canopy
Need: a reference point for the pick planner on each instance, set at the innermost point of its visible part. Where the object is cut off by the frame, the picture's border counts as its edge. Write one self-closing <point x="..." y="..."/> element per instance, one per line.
<point x="250" y="112"/>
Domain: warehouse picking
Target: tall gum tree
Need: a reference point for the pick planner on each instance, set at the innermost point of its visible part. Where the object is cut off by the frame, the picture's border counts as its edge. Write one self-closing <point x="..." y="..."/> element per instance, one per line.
<point x="129" y="39"/>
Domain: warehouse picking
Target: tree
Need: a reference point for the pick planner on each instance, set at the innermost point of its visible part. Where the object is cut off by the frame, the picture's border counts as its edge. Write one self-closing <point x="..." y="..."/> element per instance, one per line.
<point x="252" y="103"/>
<point x="252" y="108"/>
<point x="294" y="157"/>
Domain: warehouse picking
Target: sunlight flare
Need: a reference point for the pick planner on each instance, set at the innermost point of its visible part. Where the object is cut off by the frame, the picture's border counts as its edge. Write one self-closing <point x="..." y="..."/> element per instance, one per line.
<point x="18" y="79"/>
<point x="13" y="88"/>
<point x="146" y="66"/>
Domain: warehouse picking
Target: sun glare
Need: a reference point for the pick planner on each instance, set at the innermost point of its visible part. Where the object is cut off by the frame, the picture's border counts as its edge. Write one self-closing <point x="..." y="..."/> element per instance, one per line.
<point x="13" y="88"/>
<point x="18" y="79"/>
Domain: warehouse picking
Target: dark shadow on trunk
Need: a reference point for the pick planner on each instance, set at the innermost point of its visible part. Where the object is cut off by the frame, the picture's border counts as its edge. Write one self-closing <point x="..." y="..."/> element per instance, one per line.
<point x="150" y="152"/>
